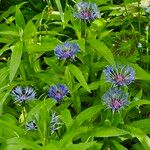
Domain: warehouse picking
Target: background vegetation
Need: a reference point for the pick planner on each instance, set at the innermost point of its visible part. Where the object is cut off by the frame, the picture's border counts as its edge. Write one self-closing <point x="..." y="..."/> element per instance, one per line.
<point x="30" y="31"/>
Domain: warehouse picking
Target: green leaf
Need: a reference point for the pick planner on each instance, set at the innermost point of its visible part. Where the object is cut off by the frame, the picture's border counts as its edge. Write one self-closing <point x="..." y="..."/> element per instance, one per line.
<point x="50" y="146"/>
<point x="87" y="114"/>
<point x="19" y="18"/>
<point x="13" y="33"/>
<point x="58" y="3"/>
<point x="67" y="138"/>
<point x="144" y="125"/>
<point x="18" y="143"/>
<point x="80" y="146"/>
<point x="66" y="118"/>
<point x="108" y="132"/>
<point x="118" y="145"/>
<point x="134" y="104"/>
<point x="43" y="46"/>
<point x="140" y="73"/>
<point x="48" y="103"/>
<point x="79" y="76"/>
<point x="102" y="50"/>
<point x="15" y="59"/>
<point x="10" y="11"/>
<point x="11" y="126"/>
<point x="129" y="1"/>
<point x="140" y="135"/>
<point x="3" y="74"/>
<point x="30" y="30"/>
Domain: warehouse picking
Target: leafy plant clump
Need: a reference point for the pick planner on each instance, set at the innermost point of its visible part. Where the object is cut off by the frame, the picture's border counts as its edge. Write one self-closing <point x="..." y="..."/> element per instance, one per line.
<point x="74" y="75"/>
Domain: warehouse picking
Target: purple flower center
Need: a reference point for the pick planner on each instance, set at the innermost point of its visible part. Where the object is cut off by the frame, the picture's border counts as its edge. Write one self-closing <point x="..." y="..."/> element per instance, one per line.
<point x="119" y="78"/>
<point x="23" y="97"/>
<point x="86" y="14"/>
<point x="116" y="103"/>
<point x="58" y="95"/>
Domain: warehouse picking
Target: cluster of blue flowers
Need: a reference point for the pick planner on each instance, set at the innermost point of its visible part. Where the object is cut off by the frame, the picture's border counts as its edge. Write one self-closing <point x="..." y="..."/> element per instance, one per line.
<point x="120" y="76"/>
<point x="24" y="94"/>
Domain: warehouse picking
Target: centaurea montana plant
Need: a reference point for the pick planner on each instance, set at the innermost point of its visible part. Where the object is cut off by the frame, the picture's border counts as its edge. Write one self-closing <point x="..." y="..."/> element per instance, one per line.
<point x="55" y="123"/>
<point x="58" y="92"/>
<point x="121" y="75"/>
<point x="23" y="94"/>
<point x="31" y="125"/>
<point x="115" y="99"/>
<point x="86" y="11"/>
<point x="66" y="50"/>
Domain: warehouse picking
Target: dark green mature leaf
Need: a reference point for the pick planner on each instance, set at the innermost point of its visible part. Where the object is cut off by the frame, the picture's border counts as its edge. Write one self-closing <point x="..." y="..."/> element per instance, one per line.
<point x="140" y="135"/>
<point x="144" y="125"/>
<point x="87" y="114"/>
<point x="15" y="59"/>
<point x="79" y="76"/>
<point x="136" y="103"/>
<point x="140" y="73"/>
<point x="67" y="138"/>
<point x="118" y="145"/>
<point x="108" y="132"/>
<point x="10" y="11"/>
<point x="103" y="50"/>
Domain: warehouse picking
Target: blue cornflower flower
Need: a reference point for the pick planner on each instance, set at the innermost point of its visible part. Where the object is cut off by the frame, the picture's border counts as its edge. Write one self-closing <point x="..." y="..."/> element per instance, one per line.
<point x="58" y="92"/>
<point x="66" y="50"/>
<point x="31" y="125"/>
<point x="86" y="11"/>
<point x="115" y="99"/>
<point x="23" y="94"/>
<point x="55" y="123"/>
<point x="121" y="75"/>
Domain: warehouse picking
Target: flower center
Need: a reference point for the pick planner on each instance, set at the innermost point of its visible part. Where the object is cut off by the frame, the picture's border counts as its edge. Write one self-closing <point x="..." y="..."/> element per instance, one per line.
<point x="58" y="95"/>
<point x="116" y="103"/>
<point x="23" y="97"/>
<point x="120" y="78"/>
<point x="86" y="14"/>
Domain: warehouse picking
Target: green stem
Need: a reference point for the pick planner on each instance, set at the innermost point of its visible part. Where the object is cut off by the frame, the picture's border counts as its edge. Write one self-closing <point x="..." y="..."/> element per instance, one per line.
<point x="147" y="49"/>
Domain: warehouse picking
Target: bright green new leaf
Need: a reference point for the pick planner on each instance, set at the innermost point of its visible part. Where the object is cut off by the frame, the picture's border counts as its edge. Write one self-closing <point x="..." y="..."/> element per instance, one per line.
<point x="108" y="132"/>
<point x="144" y="125"/>
<point x="140" y="135"/>
<point x="87" y="114"/>
<point x="19" y="18"/>
<point x="30" y="30"/>
<point x="66" y="117"/>
<point x="58" y="3"/>
<point x="102" y="50"/>
<point x="80" y="146"/>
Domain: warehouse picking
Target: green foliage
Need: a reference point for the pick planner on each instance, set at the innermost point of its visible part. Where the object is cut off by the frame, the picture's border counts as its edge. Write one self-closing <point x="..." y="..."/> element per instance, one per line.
<point x="29" y="33"/>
